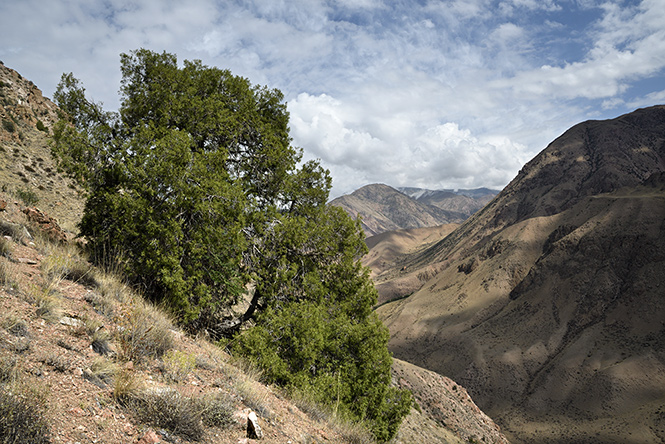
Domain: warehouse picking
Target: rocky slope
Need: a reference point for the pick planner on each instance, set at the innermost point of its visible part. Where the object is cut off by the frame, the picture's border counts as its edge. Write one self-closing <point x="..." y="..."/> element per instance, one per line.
<point x="27" y="170"/>
<point x="547" y="305"/>
<point x="383" y="208"/>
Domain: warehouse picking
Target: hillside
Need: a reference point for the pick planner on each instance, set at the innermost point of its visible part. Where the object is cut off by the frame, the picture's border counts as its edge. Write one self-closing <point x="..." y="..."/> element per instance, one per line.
<point x="27" y="169"/>
<point x="383" y="208"/>
<point x="547" y="304"/>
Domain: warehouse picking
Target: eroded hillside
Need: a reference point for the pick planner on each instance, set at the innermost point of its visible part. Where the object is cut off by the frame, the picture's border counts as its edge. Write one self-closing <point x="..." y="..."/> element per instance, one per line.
<point x="548" y="303"/>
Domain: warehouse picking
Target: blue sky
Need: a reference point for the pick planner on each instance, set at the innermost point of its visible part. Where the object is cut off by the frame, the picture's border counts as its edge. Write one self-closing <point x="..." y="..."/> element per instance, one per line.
<point x="433" y="94"/>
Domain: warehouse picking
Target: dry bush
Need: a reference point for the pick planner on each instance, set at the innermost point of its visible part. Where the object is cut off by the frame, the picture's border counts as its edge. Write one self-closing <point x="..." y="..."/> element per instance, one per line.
<point x="169" y="410"/>
<point x="143" y="332"/>
<point x="217" y="410"/>
<point x="22" y="415"/>
<point x="176" y="365"/>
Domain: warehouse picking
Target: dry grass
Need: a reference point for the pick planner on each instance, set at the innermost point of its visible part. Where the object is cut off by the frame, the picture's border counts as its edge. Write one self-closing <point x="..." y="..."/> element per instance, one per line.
<point x="254" y="396"/>
<point x="177" y="365"/>
<point x="126" y="386"/>
<point x="9" y="276"/>
<point x="48" y="303"/>
<point x="22" y="414"/>
<point x="104" y="369"/>
<point x="143" y="331"/>
<point x="65" y="261"/>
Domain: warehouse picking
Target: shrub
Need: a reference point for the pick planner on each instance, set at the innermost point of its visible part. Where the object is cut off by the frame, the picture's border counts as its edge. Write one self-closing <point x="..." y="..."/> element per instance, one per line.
<point x="28" y="197"/>
<point x="171" y="411"/>
<point x="144" y="332"/>
<point x="41" y="127"/>
<point x="217" y="410"/>
<point x="22" y="419"/>
<point x="8" y="125"/>
<point x="176" y="365"/>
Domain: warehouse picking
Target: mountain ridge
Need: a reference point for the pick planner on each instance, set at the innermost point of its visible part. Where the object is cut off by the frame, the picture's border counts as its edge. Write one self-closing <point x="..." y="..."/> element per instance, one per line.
<point x="382" y="208"/>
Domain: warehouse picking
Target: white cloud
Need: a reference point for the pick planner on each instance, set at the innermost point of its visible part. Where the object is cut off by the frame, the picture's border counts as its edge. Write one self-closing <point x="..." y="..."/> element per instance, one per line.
<point x="451" y="94"/>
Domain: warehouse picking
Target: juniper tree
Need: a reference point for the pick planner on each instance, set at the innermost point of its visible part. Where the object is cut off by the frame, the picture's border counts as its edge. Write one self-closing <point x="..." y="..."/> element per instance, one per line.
<point x="196" y="192"/>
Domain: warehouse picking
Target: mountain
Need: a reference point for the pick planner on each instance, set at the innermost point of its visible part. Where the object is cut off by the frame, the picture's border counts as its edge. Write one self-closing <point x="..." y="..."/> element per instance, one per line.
<point x="465" y="202"/>
<point x="383" y="208"/>
<point x="547" y="305"/>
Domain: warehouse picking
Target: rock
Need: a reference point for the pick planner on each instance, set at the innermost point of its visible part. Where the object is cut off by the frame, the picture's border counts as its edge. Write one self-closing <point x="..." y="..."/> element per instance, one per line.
<point x="46" y="223"/>
<point x="253" y="429"/>
<point x="65" y="320"/>
<point x="3" y="205"/>
<point x="150" y="438"/>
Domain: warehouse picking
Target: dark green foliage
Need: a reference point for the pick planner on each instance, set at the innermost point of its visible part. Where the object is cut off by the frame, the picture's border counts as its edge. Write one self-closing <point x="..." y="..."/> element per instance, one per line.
<point x="195" y="192"/>
<point x="8" y="125"/>
<point x="22" y="418"/>
<point x="41" y="127"/>
<point x="28" y="197"/>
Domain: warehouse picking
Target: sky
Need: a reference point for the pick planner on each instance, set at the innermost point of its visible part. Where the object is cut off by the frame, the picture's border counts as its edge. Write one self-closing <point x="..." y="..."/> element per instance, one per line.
<point x="431" y="94"/>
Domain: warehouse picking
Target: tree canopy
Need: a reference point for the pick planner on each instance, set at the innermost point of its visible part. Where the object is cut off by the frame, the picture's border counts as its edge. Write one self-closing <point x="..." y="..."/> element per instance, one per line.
<point x="196" y="193"/>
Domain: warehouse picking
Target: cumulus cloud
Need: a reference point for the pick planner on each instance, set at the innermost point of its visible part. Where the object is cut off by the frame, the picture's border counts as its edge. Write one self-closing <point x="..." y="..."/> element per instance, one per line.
<point x="442" y="94"/>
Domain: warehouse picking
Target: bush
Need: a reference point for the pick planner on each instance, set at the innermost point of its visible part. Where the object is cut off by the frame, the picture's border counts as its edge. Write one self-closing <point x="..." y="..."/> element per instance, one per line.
<point x="318" y="351"/>
<point x="22" y="419"/>
<point x="28" y="197"/>
<point x="171" y="411"/>
<point x="8" y="125"/>
<point x="176" y="365"/>
<point x="41" y="127"/>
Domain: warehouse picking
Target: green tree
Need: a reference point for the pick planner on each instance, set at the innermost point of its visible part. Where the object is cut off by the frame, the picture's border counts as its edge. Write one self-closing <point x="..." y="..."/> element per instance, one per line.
<point x="196" y="192"/>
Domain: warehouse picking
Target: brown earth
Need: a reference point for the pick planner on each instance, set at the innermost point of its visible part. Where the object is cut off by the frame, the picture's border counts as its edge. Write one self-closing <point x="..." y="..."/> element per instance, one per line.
<point x="548" y="303"/>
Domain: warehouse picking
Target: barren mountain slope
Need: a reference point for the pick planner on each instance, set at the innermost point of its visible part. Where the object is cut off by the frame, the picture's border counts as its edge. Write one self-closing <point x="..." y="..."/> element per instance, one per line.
<point x="548" y="305"/>
<point x="389" y="251"/>
<point x="466" y="202"/>
<point x="383" y="208"/>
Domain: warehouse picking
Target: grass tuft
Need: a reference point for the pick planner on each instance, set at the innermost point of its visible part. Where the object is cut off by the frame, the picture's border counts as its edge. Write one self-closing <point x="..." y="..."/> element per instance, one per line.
<point x="144" y="332"/>
<point x="22" y="416"/>
<point x="171" y="411"/>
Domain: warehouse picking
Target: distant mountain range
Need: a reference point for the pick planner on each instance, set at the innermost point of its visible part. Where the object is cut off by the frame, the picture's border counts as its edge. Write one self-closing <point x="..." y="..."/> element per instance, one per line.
<point x="548" y="305"/>
<point x="383" y="208"/>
